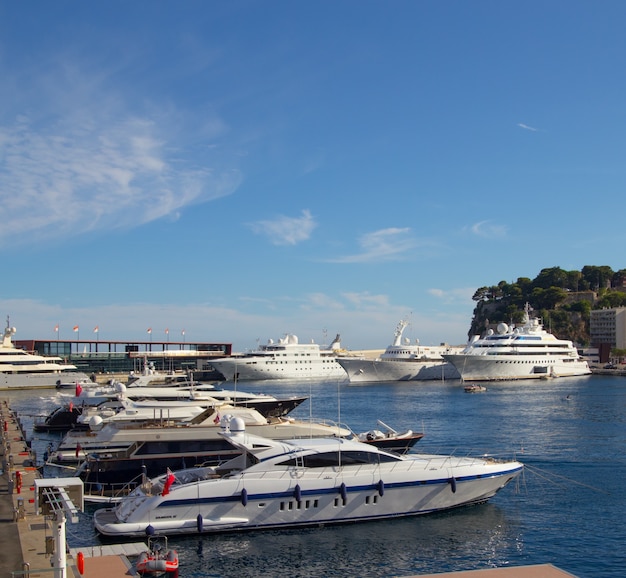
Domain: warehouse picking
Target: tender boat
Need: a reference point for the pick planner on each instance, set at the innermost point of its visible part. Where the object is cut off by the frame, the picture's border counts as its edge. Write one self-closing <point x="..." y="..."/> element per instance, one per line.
<point x="286" y="359"/>
<point x="390" y="439"/>
<point x="158" y="560"/>
<point x="22" y="370"/>
<point x="304" y="482"/>
<point x="402" y="361"/>
<point x="474" y="388"/>
<point x="526" y="352"/>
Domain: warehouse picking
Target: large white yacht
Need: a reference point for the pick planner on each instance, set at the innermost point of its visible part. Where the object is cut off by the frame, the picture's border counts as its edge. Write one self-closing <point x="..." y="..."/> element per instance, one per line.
<point x="303" y="482"/>
<point x="402" y="361"/>
<point x="287" y="359"/>
<point x="526" y="352"/>
<point x="22" y="370"/>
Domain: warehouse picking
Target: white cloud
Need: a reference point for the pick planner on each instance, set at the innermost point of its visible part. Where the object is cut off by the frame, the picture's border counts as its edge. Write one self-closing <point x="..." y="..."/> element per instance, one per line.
<point x="286" y="230"/>
<point x="488" y="229"/>
<point x="82" y="160"/>
<point x="457" y="295"/>
<point x="526" y="127"/>
<point x="390" y="244"/>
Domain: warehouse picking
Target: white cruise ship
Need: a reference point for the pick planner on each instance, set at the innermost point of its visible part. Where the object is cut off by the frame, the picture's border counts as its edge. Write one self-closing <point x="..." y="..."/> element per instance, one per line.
<point x="402" y="361"/>
<point x="287" y="359"/>
<point x="22" y="370"/>
<point x="526" y="352"/>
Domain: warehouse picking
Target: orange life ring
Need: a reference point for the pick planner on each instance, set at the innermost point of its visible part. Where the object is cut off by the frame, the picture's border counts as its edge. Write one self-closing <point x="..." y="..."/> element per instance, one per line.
<point x="80" y="563"/>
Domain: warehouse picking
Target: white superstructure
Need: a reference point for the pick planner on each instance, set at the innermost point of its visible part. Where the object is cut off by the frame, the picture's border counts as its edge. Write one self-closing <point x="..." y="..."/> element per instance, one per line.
<point x="402" y="361"/>
<point x="22" y="370"/>
<point x="526" y="352"/>
<point x="304" y="482"/>
<point x="287" y="359"/>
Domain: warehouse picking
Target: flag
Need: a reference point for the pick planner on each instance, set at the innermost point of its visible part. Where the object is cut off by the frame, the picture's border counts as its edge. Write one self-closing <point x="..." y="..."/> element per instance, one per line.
<point x="56" y="328"/>
<point x="216" y="420"/>
<point x="75" y="327"/>
<point x="167" y="331"/>
<point x="182" y="332"/>
<point x="149" y="330"/>
<point x="79" y="389"/>
<point x="171" y="478"/>
<point x="78" y="448"/>
<point x="95" y="329"/>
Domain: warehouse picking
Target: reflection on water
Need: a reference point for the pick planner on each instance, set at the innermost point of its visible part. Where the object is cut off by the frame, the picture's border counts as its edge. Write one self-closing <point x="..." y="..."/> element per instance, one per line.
<point x="568" y="508"/>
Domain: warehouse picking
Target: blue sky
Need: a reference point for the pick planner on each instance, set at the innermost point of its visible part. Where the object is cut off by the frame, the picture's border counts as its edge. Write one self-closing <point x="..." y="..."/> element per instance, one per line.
<point x="244" y="169"/>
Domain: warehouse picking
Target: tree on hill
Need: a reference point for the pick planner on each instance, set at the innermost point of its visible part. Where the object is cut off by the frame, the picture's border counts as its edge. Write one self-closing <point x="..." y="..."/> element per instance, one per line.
<point x="563" y="299"/>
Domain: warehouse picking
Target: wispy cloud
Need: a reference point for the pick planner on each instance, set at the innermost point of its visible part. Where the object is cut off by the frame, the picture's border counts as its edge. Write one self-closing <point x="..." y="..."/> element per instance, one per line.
<point x="488" y="229"/>
<point x="526" y="127"/>
<point x="96" y="165"/>
<point x="285" y="230"/>
<point x="390" y="244"/>
<point x="460" y="294"/>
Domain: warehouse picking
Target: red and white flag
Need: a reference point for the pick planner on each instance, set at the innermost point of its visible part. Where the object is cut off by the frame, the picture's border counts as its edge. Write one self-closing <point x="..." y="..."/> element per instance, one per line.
<point x="96" y="329"/>
<point x="75" y="327"/>
<point x="56" y="328"/>
<point x="149" y="330"/>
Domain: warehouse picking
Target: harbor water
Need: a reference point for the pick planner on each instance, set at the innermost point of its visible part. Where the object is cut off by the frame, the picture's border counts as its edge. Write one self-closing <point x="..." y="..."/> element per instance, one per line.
<point x="568" y="508"/>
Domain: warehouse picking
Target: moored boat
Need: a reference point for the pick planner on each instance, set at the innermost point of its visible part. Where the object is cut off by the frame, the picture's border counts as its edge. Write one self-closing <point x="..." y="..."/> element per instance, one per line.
<point x="510" y="353"/>
<point x="401" y="361"/>
<point x="20" y="369"/>
<point x="304" y="482"/>
<point x="285" y="359"/>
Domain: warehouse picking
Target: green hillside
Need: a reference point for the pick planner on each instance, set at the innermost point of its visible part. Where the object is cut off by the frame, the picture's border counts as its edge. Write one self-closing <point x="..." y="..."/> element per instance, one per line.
<point x="563" y="299"/>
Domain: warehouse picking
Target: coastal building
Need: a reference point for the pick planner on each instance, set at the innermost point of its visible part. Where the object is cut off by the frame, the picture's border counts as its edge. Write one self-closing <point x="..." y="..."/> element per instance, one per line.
<point x="607" y="329"/>
<point x="133" y="356"/>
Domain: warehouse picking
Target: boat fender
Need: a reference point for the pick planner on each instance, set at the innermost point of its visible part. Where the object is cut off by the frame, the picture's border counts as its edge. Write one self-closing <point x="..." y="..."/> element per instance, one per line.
<point x="381" y="488"/>
<point x="80" y="563"/>
<point x="343" y="492"/>
<point x="452" y="482"/>
<point x="297" y="492"/>
<point x="199" y="523"/>
<point x="244" y="497"/>
<point x="149" y="530"/>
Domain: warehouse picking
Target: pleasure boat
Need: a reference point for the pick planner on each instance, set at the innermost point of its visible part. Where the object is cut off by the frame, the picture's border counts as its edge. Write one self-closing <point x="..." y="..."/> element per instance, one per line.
<point x="286" y="359"/>
<point x="402" y="361"/>
<point x="526" y="352"/>
<point x="22" y="370"/>
<point x="304" y="482"/>
<point x="109" y="455"/>
<point x="107" y="398"/>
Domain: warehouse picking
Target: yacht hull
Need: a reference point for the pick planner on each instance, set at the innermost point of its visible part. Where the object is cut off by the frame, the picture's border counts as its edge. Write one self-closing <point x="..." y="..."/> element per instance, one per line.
<point x="514" y="367"/>
<point x="11" y="381"/>
<point x="376" y="370"/>
<point x="285" y="500"/>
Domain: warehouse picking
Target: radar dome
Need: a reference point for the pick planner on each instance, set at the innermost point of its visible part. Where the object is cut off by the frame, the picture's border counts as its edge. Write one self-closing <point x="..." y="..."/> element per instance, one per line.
<point x="502" y="328"/>
<point x="237" y="425"/>
<point x="95" y="422"/>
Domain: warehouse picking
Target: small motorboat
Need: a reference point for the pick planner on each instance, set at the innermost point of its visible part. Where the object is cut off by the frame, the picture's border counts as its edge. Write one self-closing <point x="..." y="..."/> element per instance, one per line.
<point x="474" y="388"/>
<point x="391" y="440"/>
<point x="158" y="560"/>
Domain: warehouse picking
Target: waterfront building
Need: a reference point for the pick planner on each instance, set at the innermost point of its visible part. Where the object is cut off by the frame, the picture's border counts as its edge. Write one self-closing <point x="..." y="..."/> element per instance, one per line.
<point x="133" y="356"/>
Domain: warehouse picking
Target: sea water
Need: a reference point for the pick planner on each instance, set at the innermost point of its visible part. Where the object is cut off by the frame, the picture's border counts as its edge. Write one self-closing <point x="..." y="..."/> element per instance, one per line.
<point x="567" y="509"/>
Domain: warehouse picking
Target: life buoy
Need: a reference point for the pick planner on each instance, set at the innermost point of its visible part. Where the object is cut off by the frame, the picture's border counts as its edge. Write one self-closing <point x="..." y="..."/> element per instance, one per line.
<point x="80" y="563"/>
